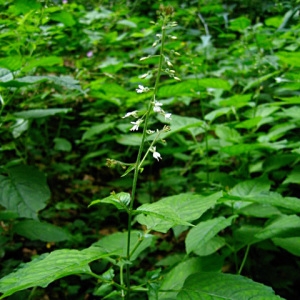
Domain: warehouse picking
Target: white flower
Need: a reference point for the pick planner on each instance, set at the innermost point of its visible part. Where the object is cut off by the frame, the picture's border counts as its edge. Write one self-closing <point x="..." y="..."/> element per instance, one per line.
<point x="136" y="125"/>
<point x="142" y="89"/>
<point x="131" y="113"/>
<point x="168" y="116"/>
<point x="157" y="106"/>
<point x="156" y="154"/>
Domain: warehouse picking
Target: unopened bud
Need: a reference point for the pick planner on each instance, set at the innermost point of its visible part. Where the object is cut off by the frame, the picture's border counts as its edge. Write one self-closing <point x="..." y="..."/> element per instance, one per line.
<point x="172" y="24"/>
<point x="177" y="78"/>
<point x="143" y="76"/>
<point x="146" y="57"/>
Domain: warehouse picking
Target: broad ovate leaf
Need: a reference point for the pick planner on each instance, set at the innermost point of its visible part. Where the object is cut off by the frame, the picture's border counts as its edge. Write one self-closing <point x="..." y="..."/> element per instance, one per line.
<point x="282" y="226"/>
<point x="41" y="113"/>
<point x="200" y="235"/>
<point x="35" y="230"/>
<point x="116" y="243"/>
<point x="50" y="267"/>
<point x="174" y="280"/>
<point x="120" y="200"/>
<point x="216" y="286"/>
<point x="291" y="244"/>
<point x="159" y="216"/>
<point x="24" y="190"/>
<point x="175" y="210"/>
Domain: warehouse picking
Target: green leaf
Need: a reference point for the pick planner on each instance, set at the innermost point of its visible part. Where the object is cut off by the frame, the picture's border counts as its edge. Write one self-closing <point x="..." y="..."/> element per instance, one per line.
<point x="24" y="191"/>
<point x="259" y="210"/>
<point x="293" y="177"/>
<point x="6" y="215"/>
<point x="174" y="279"/>
<point x="120" y="200"/>
<point x="116" y="243"/>
<point x="180" y="123"/>
<point x="12" y="63"/>
<point x="62" y="144"/>
<point x="19" y="127"/>
<point x="50" y="267"/>
<point x="191" y="207"/>
<point x="215" y="83"/>
<point x="204" y="231"/>
<point x="278" y="161"/>
<point x="239" y="24"/>
<point x="251" y="123"/>
<point x="23" y="7"/>
<point x="216" y="286"/>
<point x="258" y="81"/>
<point x="217" y="113"/>
<point x="35" y="230"/>
<point x="283" y="226"/>
<point x="159" y="211"/>
<point x="291" y="244"/>
<point x="127" y="23"/>
<point x="97" y="129"/>
<point x="41" y="113"/>
<point x="64" y="81"/>
<point x="291" y="100"/>
<point x="189" y="87"/>
<point x="5" y="75"/>
<point x="245" y="235"/>
<point x="274" y="21"/>
<point x="43" y="62"/>
<point x="277" y="132"/>
<point x="228" y="134"/>
<point x="289" y="58"/>
<point x="64" y="17"/>
<point x="176" y="210"/>
<point x="133" y="139"/>
<point x="211" y="246"/>
<point x="23" y="81"/>
<point x="67" y="82"/>
<point x="271" y="198"/>
<point x="110" y="89"/>
<point x="111" y="65"/>
<point x="242" y="148"/>
<point x="250" y="188"/>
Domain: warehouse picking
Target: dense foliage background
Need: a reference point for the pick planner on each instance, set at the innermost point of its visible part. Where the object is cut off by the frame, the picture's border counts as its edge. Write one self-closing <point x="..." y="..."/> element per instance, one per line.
<point x="69" y="72"/>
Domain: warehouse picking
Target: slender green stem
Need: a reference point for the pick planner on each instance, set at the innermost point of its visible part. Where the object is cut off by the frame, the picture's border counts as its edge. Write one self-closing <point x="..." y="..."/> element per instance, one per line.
<point x="244" y="259"/>
<point x="140" y="240"/>
<point x="153" y="142"/>
<point x="122" y="280"/>
<point x="101" y="279"/>
<point x="138" y="160"/>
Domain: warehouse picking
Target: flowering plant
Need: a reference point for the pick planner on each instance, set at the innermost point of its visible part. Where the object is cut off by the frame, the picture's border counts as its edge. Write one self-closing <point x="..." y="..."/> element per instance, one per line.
<point x="154" y="107"/>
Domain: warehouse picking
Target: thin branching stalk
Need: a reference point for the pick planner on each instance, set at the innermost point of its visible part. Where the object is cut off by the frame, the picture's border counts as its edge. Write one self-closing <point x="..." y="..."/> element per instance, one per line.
<point x="244" y="259"/>
<point x="141" y="148"/>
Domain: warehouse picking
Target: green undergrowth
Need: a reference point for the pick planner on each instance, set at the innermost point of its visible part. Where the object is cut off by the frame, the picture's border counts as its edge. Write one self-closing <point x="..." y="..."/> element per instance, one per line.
<point x="216" y="216"/>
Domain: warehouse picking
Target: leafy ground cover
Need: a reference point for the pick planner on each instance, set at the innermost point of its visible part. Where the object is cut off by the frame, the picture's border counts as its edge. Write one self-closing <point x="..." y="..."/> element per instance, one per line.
<point x="215" y="210"/>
